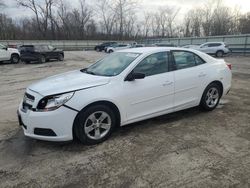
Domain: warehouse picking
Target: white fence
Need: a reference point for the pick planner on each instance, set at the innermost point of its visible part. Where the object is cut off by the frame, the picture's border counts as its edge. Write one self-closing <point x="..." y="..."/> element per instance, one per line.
<point x="62" y="44"/>
<point x="237" y="43"/>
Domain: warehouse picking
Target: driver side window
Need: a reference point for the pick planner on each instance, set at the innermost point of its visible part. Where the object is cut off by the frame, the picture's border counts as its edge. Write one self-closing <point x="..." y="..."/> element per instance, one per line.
<point x="153" y="64"/>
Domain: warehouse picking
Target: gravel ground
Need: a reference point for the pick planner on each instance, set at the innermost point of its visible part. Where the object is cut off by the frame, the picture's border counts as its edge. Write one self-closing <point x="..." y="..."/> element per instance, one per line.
<point x="184" y="149"/>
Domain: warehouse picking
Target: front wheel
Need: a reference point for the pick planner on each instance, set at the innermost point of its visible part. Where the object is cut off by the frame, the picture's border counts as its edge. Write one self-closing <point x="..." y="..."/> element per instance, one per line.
<point x="60" y="57"/>
<point x="95" y="124"/>
<point x="211" y="97"/>
<point x="15" y="58"/>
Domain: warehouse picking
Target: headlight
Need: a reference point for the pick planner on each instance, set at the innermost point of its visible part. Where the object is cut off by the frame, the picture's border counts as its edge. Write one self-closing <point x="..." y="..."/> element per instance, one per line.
<point x="53" y="102"/>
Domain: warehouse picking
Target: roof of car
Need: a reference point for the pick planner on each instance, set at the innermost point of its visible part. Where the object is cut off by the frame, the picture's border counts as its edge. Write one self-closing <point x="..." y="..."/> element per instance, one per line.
<point x="212" y="42"/>
<point x="32" y="45"/>
<point x="153" y="49"/>
<point x="149" y="50"/>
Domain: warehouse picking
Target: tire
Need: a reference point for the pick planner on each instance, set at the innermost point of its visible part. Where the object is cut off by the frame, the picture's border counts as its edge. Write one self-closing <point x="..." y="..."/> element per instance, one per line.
<point x="211" y="97"/>
<point x="219" y="53"/>
<point x="42" y="59"/>
<point x="14" y="58"/>
<point x="27" y="62"/>
<point x="88" y="127"/>
<point x="60" y="57"/>
<point x="110" y="51"/>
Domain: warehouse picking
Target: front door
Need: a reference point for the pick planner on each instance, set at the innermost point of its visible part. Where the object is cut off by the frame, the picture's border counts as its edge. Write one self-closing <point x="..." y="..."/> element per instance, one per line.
<point x="155" y="93"/>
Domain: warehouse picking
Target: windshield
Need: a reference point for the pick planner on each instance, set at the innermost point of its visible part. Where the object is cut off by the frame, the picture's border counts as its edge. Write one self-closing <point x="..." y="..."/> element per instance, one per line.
<point x="112" y="64"/>
<point x="2" y="46"/>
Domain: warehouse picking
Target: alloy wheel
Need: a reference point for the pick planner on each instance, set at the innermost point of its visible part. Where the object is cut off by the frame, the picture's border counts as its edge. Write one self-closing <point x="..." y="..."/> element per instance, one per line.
<point x="212" y="97"/>
<point x="97" y="125"/>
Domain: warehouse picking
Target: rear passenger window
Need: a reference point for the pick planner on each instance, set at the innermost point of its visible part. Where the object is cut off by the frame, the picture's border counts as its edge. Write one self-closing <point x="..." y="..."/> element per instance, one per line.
<point x="183" y="60"/>
<point x="27" y="49"/>
<point x="186" y="59"/>
<point x="154" y="64"/>
<point x="214" y="44"/>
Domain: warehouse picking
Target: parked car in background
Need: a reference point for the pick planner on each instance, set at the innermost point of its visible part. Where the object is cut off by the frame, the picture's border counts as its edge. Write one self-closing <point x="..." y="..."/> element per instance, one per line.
<point x="137" y="46"/>
<point x="164" y="45"/>
<point x="191" y="46"/>
<point x="102" y="46"/>
<point x="116" y="47"/>
<point x="9" y="54"/>
<point x="124" y="87"/>
<point x="41" y="53"/>
<point x="219" y="49"/>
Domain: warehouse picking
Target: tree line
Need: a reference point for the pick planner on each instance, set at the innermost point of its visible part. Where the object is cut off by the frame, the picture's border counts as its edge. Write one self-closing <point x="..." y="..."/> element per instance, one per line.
<point x="119" y="20"/>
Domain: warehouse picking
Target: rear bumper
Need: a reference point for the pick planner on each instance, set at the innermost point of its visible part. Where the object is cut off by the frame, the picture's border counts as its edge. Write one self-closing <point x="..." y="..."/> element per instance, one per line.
<point x="51" y="126"/>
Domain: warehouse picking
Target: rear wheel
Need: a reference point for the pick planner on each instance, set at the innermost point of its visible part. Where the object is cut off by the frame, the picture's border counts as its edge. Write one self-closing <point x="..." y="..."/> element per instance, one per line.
<point x="95" y="124"/>
<point x="14" y="58"/>
<point x="219" y="53"/>
<point x="111" y="51"/>
<point x="211" y="97"/>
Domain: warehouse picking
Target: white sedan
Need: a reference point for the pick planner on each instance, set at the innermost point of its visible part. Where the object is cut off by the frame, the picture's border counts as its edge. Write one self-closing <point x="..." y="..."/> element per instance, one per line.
<point x="124" y="87"/>
<point x="116" y="47"/>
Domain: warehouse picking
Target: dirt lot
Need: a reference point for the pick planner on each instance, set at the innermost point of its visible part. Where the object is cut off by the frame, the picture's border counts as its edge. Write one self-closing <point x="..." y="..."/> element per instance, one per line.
<point x="185" y="149"/>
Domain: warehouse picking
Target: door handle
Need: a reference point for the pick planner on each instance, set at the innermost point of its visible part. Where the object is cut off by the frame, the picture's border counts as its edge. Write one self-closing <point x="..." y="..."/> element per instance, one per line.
<point x="202" y="75"/>
<point x="167" y="83"/>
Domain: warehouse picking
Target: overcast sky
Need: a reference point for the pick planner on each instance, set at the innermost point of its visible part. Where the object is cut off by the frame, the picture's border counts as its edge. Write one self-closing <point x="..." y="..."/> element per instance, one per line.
<point x="147" y="5"/>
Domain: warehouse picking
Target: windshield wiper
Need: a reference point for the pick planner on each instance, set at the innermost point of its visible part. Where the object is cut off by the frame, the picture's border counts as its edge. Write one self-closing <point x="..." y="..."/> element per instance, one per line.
<point x="88" y="72"/>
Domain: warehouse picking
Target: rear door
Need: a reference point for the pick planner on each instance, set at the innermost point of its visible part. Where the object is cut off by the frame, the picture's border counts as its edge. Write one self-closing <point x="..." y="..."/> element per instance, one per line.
<point x="189" y="77"/>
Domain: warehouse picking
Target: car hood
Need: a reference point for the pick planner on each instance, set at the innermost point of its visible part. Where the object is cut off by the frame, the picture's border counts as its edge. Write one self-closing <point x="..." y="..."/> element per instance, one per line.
<point x="70" y="81"/>
<point x="58" y="50"/>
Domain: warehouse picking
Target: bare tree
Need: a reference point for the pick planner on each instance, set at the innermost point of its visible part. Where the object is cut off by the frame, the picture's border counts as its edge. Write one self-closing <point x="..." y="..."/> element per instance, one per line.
<point x="171" y="13"/>
<point x="207" y="13"/>
<point x="123" y="8"/>
<point x="164" y="18"/>
<point x="42" y="11"/>
<point x="222" y="19"/>
<point x="187" y="25"/>
<point x="107" y="15"/>
<point x="117" y="19"/>
<point x="1" y="4"/>
<point x="196" y="22"/>
<point x="146" y="24"/>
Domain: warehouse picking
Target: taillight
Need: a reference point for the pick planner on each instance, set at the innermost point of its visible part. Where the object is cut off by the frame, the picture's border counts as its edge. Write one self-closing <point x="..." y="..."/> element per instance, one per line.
<point x="229" y="66"/>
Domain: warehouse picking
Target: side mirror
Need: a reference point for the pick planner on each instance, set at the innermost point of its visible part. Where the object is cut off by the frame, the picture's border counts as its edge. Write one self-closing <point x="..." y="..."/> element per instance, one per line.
<point x="134" y="75"/>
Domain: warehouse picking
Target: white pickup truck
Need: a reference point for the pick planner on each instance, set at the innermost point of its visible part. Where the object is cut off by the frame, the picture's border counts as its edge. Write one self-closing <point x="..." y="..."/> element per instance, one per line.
<point x="9" y="54"/>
